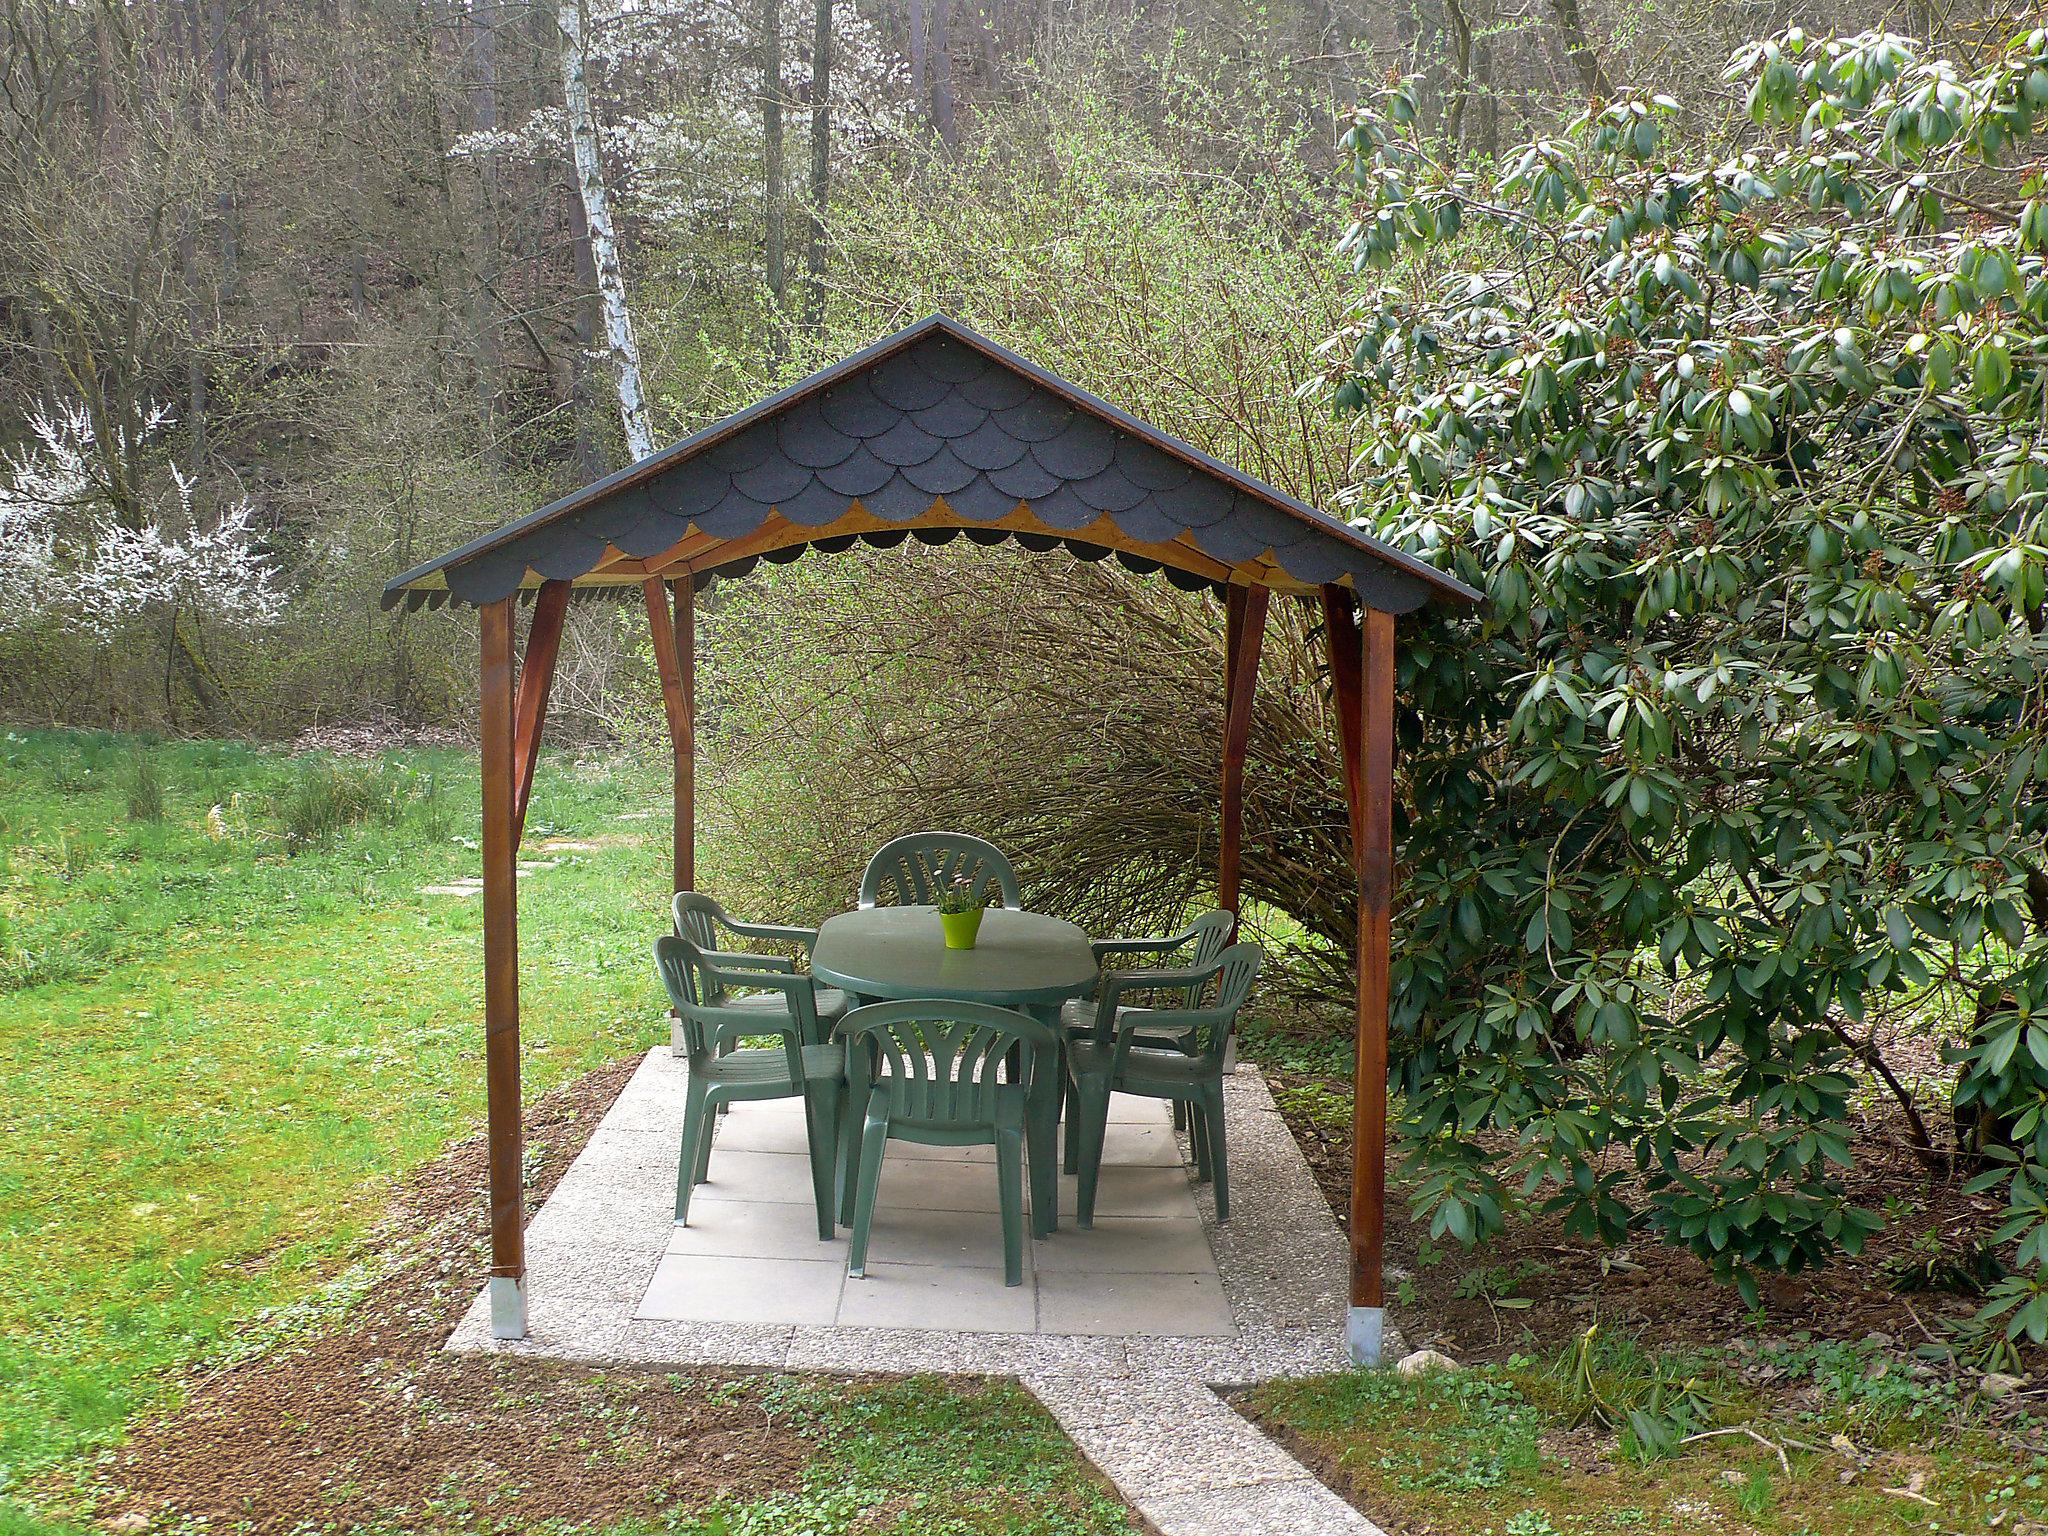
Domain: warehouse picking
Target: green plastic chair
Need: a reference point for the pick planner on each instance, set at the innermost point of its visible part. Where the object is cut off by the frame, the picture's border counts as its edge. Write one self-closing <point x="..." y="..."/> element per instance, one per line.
<point x="1114" y="1059"/>
<point x="803" y="1063"/>
<point x="700" y="919"/>
<point x="909" y="871"/>
<point x="942" y="1074"/>
<point x="1203" y="940"/>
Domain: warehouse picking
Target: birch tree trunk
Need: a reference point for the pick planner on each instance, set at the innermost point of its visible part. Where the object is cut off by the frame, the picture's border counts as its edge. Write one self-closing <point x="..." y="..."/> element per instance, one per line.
<point x="604" y="239"/>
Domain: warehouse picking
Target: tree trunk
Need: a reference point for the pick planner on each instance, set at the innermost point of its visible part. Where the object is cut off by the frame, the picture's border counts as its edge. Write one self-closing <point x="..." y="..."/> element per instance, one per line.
<point x="604" y="240"/>
<point x="1458" y="88"/>
<point x="484" y="116"/>
<point x="1488" y="103"/>
<point x="220" y="65"/>
<point x="1585" y="58"/>
<point x="821" y="166"/>
<point x="942" y="72"/>
<point x="919" y="58"/>
<point x="771" y="148"/>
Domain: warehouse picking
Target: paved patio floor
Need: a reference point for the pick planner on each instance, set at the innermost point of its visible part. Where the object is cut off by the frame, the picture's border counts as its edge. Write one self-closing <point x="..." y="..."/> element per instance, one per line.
<point x="1120" y="1330"/>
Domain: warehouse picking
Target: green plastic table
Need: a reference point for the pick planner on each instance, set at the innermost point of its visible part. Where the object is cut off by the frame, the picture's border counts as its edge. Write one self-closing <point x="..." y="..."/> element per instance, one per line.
<point x="1021" y="960"/>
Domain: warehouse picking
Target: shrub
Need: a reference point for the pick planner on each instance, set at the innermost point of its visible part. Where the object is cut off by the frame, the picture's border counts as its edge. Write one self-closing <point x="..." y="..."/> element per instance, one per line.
<point x="1746" y="752"/>
<point x="327" y="796"/>
<point x="145" y="788"/>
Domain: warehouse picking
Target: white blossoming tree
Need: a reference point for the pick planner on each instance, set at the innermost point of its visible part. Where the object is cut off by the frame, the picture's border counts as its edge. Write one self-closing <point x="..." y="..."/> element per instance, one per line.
<point x="77" y="556"/>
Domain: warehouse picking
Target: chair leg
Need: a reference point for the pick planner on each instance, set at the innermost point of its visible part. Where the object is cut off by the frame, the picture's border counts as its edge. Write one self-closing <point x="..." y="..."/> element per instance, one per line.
<point x="1198" y="1139"/>
<point x="1042" y="1127"/>
<point x="873" y="1143"/>
<point x="1010" y="1196"/>
<point x="1094" y="1128"/>
<point x="1212" y="1113"/>
<point x="696" y="1142"/>
<point x="711" y="1117"/>
<point x="1180" y="1115"/>
<point x="1071" y="1159"/>
<point x="851" y="1117"/>
<point x="821" y="1140"/>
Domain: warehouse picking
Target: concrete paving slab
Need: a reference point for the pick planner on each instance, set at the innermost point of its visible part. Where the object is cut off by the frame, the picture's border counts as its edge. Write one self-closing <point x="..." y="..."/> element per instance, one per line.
<point x="941" y="1299"/>
<point x="716" y="1288"/>
<point x="1125" y="1191"/>
<point x="1129" y="1305"/>
<point x="938" y="1186"/>
<point x="777" y="1177"/>
<point x="761" y="1229"/>
<point x="907" y="1233"/>
<point x="1129" y="1244"/>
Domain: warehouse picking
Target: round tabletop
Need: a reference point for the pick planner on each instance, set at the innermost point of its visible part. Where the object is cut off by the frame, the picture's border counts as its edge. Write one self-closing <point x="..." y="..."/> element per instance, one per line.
<point x="897" y="952"/>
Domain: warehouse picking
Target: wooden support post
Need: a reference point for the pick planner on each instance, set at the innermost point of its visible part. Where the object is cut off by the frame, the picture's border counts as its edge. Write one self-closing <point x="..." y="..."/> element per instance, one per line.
<point x="686" y="747"/>
<point x="1341" y="635"/>
<point x="672" y="634"/>
<point x="536" y="677"/>
<point x="1364" y="1331"/>
<point x="1244" y="629"/>
<point x="507" y="1137"/>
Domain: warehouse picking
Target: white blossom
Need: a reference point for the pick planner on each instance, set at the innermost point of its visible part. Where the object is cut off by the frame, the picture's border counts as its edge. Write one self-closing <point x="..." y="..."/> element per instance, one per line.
<point x="68" y="557"/>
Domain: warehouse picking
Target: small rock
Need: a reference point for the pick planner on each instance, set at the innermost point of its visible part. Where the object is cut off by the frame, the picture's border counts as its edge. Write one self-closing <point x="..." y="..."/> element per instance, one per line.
<point x="1424" y="1361"/>
<point x="1998" y="1384"/>
<point x="1876" y="1340"/>
<point x="131" y="1524"/>
<point x="1844" y="1446"/>
<point x="1733" y="1478"/>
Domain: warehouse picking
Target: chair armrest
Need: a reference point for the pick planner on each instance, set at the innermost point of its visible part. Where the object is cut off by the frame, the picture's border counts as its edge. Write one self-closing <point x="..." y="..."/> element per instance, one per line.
<point x="775" y="933"/>
<point x="1155" y="978"/>
<point x="745" y="960"/>
<point x="1108" y="948"/>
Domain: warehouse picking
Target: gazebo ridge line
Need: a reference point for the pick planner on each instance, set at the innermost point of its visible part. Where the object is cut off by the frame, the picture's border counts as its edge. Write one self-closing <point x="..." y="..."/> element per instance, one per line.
<point x="934" y="432"/>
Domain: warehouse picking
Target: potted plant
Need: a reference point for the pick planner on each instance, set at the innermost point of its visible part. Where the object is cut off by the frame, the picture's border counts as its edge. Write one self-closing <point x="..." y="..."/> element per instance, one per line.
<point x="960" y="907"/>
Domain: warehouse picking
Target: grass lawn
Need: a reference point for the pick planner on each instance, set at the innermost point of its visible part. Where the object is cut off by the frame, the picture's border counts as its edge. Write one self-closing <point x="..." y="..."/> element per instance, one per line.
<point x="230" y="1024"/>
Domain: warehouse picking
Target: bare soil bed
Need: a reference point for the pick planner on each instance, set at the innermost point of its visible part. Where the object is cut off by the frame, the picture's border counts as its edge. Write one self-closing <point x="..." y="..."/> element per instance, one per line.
<point x="1557" y="1285"/>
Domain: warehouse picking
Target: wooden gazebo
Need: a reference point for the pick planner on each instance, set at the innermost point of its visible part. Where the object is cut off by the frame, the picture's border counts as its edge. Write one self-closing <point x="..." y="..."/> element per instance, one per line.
<point x="934" y="433"/>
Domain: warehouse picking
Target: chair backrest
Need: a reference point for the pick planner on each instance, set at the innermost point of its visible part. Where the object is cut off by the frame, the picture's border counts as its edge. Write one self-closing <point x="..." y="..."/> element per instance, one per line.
<point x="909" y="871"/>
<point x="696" y="917"/>
<point x="1212" y="931"/>
<point x="702" y="992"/>
<point x="941" y="1063"/>
<point x="1212" y="1024"/>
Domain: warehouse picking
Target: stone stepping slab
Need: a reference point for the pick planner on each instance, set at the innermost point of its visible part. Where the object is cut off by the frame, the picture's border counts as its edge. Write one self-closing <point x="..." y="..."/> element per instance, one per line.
<point x="470" y="885"/>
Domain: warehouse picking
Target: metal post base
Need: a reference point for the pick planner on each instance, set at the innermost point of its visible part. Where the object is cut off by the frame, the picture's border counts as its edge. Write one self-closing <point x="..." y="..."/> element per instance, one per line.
<point x="508" y="1307"/>
<point x="1364" y="1335"/>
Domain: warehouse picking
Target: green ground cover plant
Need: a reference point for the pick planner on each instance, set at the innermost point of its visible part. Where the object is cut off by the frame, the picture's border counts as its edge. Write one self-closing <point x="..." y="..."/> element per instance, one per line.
<point x="1607" y="1438"/>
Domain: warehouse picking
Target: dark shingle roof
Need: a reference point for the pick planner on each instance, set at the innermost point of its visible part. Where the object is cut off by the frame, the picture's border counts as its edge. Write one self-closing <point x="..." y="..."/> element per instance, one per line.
<point x="935" y="431"/>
